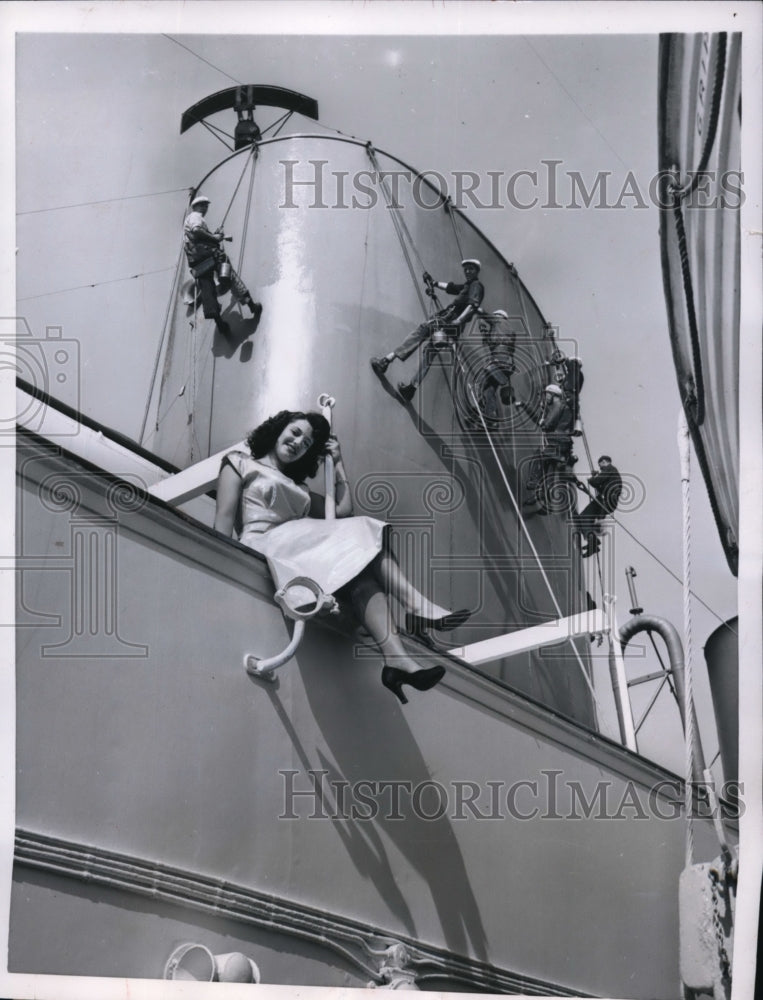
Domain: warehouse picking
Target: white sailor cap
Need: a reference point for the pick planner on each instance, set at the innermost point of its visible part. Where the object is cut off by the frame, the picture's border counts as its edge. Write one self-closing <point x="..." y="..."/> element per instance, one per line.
<point x="471" y="260"/>
<point x="200" y="199"/>
<point x="501" y="312"/>
<point x="553" y="389"/>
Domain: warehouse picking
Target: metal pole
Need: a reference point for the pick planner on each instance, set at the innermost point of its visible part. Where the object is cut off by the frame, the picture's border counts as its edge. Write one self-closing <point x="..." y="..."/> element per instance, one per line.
<point x="630" y="576"/>
<point x="327" y="404"/>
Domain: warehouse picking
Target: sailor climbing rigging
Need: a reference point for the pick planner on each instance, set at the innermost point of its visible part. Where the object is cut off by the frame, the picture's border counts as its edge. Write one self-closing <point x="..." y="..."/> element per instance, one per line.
<point x="573" y="385"/>
<point x="203" y="249"/>
<point x="555" y="456"/>
<point x="495" y="378"/>
<point x="608" y="485"/>
<point x="556" y="422"/>
<point x="468" y="298"/>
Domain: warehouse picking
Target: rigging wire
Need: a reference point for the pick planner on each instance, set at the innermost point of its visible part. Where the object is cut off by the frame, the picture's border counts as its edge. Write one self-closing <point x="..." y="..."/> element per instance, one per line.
<point x="247" y="210"/>
<point x="162" y="339"/>
<point x="95" y="284"/>
<point x="662" y="665"/>
<point x="396" y="222"/>
<point x="214" y="131"/>
<point x="589" y="120"/>
<point x="585" y="442"/>
<point x="675" y="576"/>
<point x="102" y="201"/>
<point x="196" y="54"/>
<point x="250" y="160"/>
<point x="395" y="208"/>
<point x="650" y="706"/>
<point x="521" y="520"/>
<point x="247" y="160"/>
<point x="654" y="555"/>
<point x="449" y="209"/>
<point x="280" y="122"/>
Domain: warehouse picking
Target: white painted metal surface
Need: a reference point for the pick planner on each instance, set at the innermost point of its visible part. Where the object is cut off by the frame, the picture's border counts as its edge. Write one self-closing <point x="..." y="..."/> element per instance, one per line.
<point x="523" y="640"/>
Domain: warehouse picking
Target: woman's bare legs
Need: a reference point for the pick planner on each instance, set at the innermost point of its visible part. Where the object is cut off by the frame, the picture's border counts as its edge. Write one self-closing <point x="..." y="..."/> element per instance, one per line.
<point x="393" y="581"/>
<point x="369" y="602"/>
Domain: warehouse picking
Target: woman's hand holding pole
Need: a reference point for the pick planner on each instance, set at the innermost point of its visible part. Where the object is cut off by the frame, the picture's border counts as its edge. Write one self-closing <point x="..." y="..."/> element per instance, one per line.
<point x="326" y="404"/>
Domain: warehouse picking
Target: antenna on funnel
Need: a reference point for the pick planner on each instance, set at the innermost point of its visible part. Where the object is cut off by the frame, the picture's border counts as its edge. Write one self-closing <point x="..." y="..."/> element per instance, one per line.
<point x="243" y="100"/>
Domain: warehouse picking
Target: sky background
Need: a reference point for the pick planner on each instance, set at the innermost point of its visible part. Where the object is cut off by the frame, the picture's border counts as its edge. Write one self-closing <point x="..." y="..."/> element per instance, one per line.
<point x="101" y="186"/>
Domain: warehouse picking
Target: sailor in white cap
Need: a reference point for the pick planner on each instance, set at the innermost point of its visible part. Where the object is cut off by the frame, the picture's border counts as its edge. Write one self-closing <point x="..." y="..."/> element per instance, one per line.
<point x="555" y="420"/>
<point x="499" y="336"/>
<point x="468" y="297"/>
<point x="203" y="249"/>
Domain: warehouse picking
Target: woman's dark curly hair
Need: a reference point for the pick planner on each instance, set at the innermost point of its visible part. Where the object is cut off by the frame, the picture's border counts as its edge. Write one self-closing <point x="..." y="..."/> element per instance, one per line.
<point x="263" y="439"/>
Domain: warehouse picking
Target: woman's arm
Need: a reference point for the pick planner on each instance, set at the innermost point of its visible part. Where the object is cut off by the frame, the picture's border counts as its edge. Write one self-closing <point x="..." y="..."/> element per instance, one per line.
<point x="342" y="492"/>
<point x="228" y="495"/>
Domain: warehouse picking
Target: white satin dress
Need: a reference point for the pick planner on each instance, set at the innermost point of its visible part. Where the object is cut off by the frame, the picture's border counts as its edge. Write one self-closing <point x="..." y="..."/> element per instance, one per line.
<point x="274" y="522"/>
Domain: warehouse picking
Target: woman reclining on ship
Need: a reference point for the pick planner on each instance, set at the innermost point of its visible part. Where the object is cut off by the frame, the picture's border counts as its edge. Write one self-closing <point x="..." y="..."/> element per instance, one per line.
<point x="280" y="518"/>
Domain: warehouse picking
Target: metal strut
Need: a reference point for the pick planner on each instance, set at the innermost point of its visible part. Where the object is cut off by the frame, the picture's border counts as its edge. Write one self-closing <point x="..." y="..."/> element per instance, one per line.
<point x="286" y="597"/>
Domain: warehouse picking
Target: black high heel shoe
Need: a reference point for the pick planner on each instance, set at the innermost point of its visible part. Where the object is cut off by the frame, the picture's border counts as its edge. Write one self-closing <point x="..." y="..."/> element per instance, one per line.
<point x="414" y="623"/>
<point x="422" y="680"/>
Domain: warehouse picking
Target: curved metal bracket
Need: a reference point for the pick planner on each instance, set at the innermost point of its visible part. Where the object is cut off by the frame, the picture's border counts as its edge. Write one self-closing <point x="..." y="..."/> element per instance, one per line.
<point x="265" y="669"/>
<point x="244" y="98"/>
<point x="323" y="602"/>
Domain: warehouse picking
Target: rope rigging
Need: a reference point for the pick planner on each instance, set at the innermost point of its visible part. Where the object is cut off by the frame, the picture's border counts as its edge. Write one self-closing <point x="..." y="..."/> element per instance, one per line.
<point x="666" y="673"/>
<point x="95" y="284"/>
<point x="247" y="211"/>
<point x="201" y="58"/>
<point x="192" y="356"/>
<point x="251" y="160"/>
<point x="683" y="446"/>
<point x="407" y="243"/>
<point x="646" y="548"/>
<point x="280" y="122"/>
<point x="252" y="156"/>
<point x="534" y="550"/>
<point x="101" y="201"/>
<point x="400" y="228"/>
<point x="448" y="206"/>
<point x="218" y="133"/>
<point x="165" y="326"/>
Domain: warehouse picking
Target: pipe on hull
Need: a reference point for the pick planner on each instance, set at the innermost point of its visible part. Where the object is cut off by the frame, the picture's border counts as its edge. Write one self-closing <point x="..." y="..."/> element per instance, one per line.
<point x="669" y="634"/>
